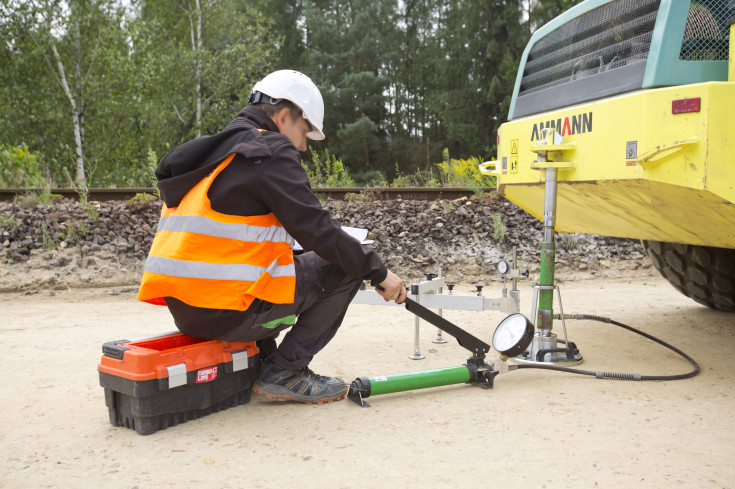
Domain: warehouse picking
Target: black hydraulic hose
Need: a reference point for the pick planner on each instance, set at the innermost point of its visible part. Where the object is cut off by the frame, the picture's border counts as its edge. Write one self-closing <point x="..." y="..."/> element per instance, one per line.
<point x="622" y="376"/>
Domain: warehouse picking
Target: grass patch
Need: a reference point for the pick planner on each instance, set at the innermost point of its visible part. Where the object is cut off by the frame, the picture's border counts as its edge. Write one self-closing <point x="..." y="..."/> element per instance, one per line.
<point x="76" y="230"/>
<point x="355" y="197"/>
<point x="140" y="201"/>
<point x="568" y="242"/>
<point x="32" y="199"/>
<point x="499" y="229"/>
<point x="8" y="223"/>
<point x="48" y="241"/>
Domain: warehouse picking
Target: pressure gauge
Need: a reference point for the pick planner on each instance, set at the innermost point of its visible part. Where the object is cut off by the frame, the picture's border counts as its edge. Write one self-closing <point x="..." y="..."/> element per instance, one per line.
<point x="503" y="267"/>
<point x="513" y="335"/>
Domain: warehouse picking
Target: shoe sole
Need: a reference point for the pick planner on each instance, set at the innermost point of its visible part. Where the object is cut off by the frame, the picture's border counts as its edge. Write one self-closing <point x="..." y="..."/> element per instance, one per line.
<point x="290" y="397"/>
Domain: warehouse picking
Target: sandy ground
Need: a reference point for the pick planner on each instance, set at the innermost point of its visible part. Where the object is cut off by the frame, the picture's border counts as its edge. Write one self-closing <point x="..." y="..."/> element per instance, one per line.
<point x="533" y="430"/>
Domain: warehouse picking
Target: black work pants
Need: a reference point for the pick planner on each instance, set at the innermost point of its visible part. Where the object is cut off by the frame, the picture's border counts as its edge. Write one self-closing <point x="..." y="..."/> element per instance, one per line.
<point x="323" y="293"/>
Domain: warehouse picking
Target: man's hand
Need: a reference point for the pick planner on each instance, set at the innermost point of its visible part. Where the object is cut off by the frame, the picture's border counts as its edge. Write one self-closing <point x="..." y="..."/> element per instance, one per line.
<point x="392" y="288"/>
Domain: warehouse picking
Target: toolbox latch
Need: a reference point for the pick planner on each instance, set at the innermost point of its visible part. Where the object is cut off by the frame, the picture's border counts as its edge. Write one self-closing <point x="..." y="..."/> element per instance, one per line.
<point x="176" y="375"/>
<point x="239" y="360"/>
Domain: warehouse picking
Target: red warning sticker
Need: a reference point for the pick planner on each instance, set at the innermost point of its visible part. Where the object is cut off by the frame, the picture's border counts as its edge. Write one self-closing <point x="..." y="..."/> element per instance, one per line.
<point x="207" y="374"/>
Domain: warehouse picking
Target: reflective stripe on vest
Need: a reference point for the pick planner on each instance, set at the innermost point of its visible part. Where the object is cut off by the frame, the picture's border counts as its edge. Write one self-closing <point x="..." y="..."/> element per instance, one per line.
<point x="241" y="232"/>
<point x="219" y="261"/>
<point x="215" y="271"/>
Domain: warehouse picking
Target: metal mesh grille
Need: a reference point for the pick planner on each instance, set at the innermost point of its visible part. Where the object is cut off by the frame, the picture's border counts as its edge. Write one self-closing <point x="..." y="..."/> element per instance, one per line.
<point x="606" y="38"/>
<point x="706" y="33"/>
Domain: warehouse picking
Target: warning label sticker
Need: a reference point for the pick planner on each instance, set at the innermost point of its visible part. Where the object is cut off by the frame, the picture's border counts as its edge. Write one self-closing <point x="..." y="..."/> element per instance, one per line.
<point x="207" y="374"/>
<point x="514" y="147"/>
<point x="631" y="150"/>
<point x="514" y="156"/>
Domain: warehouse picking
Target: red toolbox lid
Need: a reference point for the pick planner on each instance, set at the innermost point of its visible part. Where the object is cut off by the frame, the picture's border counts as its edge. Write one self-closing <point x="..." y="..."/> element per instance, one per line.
<point x="148" y="358"/>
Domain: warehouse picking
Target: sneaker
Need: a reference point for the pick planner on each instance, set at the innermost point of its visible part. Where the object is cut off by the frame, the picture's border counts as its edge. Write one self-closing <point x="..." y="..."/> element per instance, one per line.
<point x="299" y="384"/>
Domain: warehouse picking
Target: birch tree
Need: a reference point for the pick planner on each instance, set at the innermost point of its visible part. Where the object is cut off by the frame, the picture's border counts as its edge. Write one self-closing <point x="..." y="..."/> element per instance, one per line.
<point x="80" y="47"/>
<point x="201" y="59"/>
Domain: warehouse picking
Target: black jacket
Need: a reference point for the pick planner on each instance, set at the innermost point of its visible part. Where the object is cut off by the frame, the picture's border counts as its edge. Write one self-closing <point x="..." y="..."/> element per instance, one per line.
<point x="265" y="176"/>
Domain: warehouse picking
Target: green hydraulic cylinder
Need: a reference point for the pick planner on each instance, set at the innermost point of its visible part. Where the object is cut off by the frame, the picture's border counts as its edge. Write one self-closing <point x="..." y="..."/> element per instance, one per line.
<point x="546" y="277"/>
<point x="544" y="322"/>
<point x="387" y="384"/>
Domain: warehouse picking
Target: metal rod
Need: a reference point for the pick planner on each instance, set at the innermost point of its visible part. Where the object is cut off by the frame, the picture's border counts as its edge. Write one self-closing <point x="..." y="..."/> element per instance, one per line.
<point x="439" y="339"/>
<point x="544" y="321"/>
<point x="514" y="280"/>
<point x="561" y="312"/>
<point x="416" y="355"/>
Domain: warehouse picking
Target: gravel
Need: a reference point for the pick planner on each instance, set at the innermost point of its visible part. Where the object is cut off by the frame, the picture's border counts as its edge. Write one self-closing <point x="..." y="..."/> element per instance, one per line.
<point x="465" y="237"/>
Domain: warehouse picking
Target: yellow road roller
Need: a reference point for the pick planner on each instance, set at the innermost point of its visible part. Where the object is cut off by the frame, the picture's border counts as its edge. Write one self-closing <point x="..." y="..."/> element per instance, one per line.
<point x="633" y="103"/>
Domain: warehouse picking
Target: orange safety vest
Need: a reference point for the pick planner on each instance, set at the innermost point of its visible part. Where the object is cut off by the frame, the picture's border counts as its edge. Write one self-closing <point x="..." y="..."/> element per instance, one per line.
<point x="218" y="261"/>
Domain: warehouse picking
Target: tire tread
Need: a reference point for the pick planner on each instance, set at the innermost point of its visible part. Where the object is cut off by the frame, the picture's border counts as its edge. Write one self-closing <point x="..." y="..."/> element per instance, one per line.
<point x="702" y="273"/>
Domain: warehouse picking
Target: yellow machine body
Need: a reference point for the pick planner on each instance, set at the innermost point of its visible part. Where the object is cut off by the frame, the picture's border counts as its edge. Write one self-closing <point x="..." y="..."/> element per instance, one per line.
<point x="629" y="166"/>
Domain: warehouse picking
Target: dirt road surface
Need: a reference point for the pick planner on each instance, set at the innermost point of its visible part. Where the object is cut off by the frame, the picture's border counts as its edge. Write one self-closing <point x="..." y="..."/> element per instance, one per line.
<point x="535" y="429"/>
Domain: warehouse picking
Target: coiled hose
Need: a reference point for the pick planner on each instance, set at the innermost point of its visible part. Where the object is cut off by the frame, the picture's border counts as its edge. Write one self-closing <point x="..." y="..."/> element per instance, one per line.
<point x="621" y="376"/>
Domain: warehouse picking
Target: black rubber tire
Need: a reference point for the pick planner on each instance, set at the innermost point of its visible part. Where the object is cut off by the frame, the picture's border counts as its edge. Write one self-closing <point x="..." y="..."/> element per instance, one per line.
<point x="703" y="273"/>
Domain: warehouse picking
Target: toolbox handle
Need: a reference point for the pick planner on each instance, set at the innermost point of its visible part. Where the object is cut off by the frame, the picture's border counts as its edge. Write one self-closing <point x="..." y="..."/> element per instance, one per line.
<point x="113" y="349"/>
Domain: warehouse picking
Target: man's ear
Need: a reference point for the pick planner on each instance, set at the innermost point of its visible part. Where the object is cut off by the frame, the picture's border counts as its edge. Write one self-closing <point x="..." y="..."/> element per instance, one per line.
<point x="282" y="118"/>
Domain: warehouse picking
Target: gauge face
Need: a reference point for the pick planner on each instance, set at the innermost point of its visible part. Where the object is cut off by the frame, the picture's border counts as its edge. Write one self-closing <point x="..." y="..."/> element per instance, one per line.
<point x="503" y="267"/>
<point x="513" y="335"/>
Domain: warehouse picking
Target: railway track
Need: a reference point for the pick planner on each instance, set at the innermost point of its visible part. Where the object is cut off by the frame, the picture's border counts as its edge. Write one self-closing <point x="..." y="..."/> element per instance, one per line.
<point x="335" y="193"/>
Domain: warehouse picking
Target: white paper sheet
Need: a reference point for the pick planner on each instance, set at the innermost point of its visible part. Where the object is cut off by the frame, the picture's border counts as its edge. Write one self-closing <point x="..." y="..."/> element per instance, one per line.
<point x="358" y="233"/>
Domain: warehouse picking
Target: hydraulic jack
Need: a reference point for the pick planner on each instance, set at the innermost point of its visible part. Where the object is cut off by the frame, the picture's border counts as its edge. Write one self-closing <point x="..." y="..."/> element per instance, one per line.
<point x="476" y="371"/>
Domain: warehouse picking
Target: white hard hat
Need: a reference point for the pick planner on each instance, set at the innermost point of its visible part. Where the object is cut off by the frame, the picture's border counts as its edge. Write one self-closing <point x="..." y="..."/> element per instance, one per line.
<point x="297" y="88"/>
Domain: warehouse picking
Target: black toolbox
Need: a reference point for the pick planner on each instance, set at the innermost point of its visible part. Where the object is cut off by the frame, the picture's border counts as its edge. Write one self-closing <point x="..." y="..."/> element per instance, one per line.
<point x="161" y="381"/>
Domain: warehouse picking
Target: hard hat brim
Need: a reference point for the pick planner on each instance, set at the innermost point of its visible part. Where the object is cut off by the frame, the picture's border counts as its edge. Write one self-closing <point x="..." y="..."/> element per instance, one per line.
<point x="315" y="135"/>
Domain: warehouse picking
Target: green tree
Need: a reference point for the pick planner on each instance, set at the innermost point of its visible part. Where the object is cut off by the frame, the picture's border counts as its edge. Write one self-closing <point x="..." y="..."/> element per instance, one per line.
<point x="539" y="12"/>
<point x="347" y="55"/>
<point x="415" y="135"/>
<point x="286" y="19"/>
<point x="100" y="89"/>
<point x="481" y="41"/>
<point x="66" y="63"/>
<point x="197" y="62"/>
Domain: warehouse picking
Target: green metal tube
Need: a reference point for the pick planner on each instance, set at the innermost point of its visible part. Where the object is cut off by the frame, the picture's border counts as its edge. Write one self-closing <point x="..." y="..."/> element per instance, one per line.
<point x="546" y="277"/>
<point x="545" y="319"/>
<point x="387" y="384"/>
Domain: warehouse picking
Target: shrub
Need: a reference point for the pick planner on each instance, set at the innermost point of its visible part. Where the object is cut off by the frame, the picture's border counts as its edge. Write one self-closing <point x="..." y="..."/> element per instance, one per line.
<point x="326" y="170"/>
<point x="370" y="178"/>
<point x="19" y="167"/>
<point x="420" y="178"/>
<point x="464" y="173"/>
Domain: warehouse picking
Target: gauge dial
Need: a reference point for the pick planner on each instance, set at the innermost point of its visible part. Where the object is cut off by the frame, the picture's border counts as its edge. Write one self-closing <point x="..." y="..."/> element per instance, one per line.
<point x="503" y="267"/>
<point x="513" y="335"/>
